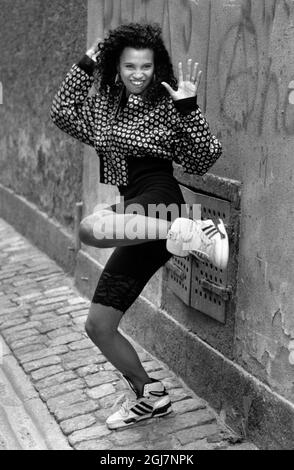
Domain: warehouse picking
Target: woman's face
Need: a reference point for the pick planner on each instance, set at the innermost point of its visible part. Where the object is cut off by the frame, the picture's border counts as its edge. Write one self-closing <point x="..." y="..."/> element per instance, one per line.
<point x="136" y="68"/>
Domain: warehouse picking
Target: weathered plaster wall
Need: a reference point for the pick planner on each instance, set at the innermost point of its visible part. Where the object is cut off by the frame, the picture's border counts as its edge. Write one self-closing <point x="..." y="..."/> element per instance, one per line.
<point x="39" y="41"/>
<point x="251" y="61"/>
<point x="245" y="49"/>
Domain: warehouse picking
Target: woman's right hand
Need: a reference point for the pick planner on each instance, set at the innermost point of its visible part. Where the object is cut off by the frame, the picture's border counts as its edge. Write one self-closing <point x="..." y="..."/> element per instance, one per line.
<point x="93" y="50"/>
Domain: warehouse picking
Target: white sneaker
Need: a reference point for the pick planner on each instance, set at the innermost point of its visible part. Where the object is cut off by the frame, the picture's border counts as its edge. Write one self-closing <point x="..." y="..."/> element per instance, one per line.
<point x="154" y="403"/>
<point x="207" y="240"/>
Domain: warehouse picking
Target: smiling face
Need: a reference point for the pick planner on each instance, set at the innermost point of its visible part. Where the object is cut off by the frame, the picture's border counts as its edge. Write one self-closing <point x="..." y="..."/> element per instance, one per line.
<point x="136" y="68"/>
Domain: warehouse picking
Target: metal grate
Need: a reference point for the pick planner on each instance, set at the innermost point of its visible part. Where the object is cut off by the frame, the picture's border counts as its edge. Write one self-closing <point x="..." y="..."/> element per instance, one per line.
<point x="208" y="283"/>
<point x="202" y="286"/>
<point x="180" y="270"/>
<point x="209" y="292"/>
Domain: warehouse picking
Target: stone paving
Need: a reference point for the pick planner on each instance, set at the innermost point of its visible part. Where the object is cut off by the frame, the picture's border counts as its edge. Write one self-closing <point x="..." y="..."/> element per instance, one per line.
<point x="42" y="317"/>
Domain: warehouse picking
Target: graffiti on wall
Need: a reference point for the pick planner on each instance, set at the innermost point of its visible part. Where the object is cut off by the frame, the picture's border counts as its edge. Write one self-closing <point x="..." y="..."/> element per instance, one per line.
<point x="250" y="70"/>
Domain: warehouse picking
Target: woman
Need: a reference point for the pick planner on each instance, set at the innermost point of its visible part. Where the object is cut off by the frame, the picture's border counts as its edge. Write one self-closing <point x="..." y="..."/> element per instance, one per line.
<point x="139" y="121"/>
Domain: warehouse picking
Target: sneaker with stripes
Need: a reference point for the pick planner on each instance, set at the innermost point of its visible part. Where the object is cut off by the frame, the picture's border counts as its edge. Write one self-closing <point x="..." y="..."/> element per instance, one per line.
<point x="207" y="240"/>
<point x="155" y="402"/>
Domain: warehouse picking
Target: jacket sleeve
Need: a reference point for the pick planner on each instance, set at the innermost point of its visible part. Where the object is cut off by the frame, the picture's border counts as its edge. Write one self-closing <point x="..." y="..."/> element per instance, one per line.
<point x="73" y="111"/>
<point x="195" y="148"/>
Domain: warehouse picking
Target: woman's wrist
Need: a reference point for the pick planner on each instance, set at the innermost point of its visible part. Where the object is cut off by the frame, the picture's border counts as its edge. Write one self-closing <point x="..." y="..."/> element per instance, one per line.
<point x="94" y="49"/>
<point x="186" y="105"/>
<point x="87" y="64"/>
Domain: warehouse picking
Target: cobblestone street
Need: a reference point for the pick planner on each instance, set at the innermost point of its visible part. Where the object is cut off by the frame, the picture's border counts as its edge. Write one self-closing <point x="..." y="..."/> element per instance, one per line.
<point x="42" y="318"/>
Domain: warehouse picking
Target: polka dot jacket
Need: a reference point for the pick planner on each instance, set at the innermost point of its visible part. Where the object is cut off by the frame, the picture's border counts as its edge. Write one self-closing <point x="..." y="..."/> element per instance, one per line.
<point x="171" y="130"/>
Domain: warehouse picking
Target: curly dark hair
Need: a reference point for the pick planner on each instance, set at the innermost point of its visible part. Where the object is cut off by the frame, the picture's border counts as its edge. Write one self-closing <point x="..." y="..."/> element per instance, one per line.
<point x="138" y="36"/>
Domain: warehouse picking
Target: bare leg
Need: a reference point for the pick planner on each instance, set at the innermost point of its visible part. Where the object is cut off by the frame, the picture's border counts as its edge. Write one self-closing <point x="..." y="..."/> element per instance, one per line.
<point x="106" y="229"/>
<point x="101" y="327"/>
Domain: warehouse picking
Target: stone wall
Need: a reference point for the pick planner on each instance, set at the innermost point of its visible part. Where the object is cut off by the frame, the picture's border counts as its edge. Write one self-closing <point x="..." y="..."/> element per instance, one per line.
<point x="39" y="41"/>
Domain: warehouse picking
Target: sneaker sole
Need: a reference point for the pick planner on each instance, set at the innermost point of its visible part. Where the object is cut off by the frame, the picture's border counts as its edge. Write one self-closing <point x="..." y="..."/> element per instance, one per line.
<point x="163" y="411"/>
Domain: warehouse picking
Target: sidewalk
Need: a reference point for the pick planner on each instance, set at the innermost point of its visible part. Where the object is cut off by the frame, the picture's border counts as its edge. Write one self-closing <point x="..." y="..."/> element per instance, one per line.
<point x="56" y="388"/>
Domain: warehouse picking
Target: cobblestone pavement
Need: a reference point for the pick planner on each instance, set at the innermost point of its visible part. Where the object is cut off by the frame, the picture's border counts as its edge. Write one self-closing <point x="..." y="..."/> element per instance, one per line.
<point x="42" y="318"/>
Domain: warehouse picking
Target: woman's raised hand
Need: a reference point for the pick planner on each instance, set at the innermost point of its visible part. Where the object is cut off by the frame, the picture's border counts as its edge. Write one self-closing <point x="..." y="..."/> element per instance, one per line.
<point x="188" y="85"/>
<point x="93" y="50"/>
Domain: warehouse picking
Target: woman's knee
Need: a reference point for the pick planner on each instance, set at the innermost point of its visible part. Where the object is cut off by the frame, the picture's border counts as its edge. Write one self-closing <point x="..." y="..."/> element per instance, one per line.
<point x="86" y="230"/>
<point x="95" y="328"/>
<point x="102" y="321"/>
<point x="92" y="227"/>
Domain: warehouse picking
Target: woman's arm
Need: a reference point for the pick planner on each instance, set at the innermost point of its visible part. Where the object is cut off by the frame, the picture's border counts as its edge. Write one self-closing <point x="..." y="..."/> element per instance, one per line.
<point x="194" y="147"/>
<point x="73" y="111"/>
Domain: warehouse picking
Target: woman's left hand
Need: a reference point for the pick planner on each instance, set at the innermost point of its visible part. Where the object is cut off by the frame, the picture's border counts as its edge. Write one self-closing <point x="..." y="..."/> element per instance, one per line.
<point x="186" y="88"/>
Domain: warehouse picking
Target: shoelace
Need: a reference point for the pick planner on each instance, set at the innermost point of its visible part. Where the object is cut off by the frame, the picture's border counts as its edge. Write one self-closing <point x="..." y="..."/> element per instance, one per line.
<point x="175" y="235"/>
<point x="205" y="241"/>
<point x="201" y="253"/>
<point x="172" y="235"/>
<point x="126" y="403"/>
<point x="204" y="238"/>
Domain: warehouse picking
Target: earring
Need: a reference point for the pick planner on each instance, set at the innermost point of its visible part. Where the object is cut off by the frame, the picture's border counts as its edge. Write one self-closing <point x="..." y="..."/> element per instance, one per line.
<point x="117" y="79"/>
<point x="154" y="78"/>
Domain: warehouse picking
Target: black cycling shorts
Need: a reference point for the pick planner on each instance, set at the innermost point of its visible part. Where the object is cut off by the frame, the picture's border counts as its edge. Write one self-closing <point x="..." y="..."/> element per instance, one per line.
<point x="129" y="268"/>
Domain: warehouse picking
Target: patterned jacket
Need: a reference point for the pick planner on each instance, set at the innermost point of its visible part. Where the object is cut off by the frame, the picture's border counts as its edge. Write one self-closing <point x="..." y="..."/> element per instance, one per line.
<point x="171" y="130"/>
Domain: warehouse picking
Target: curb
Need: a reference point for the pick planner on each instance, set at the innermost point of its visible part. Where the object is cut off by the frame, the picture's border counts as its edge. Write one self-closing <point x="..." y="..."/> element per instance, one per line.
<point x="26" y="423"/>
